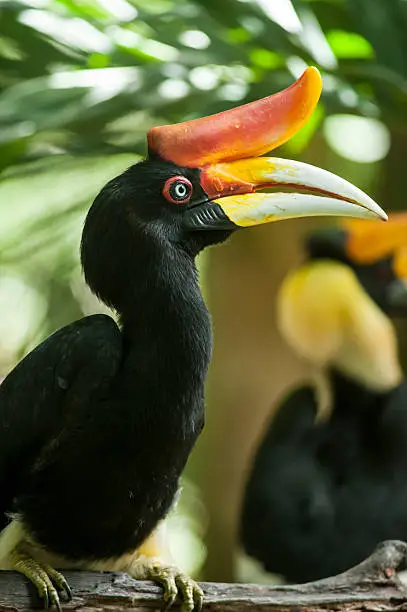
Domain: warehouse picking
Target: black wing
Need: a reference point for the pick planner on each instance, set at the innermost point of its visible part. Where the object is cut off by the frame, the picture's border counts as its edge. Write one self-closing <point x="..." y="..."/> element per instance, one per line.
<point x="77" y="362"/>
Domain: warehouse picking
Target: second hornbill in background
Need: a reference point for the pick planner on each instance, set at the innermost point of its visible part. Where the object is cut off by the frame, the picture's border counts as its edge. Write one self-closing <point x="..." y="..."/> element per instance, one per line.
<point x="97" y="423"/>
<point x="329" y="479"/>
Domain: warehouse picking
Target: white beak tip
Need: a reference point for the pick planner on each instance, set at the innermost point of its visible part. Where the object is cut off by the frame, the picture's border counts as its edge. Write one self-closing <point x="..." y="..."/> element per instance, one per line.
<point x="304" y="175"/>
<point x="375" y="212"/>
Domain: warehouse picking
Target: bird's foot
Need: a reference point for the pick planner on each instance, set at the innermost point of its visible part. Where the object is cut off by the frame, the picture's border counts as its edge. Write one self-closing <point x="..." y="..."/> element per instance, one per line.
<point x="173" y="581"/>
<point x="46" y="580"/>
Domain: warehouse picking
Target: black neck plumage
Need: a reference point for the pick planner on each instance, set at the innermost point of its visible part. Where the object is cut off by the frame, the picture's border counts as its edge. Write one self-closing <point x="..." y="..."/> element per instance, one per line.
<point x="167" y="341"/>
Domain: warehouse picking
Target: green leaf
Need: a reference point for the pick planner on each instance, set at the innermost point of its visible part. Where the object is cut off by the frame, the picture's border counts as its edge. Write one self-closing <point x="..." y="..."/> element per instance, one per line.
<point x="348" y="45"/>
<point x="263" y="58"/>
<point x="98" y="60"/>
<point x="237" y="35"/>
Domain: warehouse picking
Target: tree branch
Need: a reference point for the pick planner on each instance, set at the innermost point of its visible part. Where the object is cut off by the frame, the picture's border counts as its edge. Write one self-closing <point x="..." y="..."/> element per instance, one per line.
<point x="370" y="586"/>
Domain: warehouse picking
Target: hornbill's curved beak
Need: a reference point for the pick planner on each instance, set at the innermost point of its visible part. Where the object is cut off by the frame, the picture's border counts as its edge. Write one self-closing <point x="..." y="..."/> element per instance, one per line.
<point x="226" y="149"/>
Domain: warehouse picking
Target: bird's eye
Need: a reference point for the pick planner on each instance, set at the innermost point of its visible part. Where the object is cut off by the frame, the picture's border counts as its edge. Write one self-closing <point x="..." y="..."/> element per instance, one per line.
<point x="178" y="190"/>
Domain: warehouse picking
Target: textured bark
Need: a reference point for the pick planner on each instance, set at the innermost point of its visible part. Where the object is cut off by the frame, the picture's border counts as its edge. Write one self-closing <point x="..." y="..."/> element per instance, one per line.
<point x="370" y="586"/>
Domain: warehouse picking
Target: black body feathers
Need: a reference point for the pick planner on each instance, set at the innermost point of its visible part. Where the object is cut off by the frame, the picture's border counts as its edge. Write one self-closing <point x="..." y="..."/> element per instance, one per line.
<point x="97" y="423"/>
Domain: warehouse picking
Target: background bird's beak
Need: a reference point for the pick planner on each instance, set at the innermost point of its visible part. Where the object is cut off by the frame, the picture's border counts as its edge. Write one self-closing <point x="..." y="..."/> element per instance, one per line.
<point x="366" y="243"/>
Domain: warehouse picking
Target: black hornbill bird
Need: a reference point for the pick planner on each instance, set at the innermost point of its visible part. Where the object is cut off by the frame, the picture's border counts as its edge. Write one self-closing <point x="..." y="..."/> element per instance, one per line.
<point x="329" y="478"/>
<point x="97" y="422"/>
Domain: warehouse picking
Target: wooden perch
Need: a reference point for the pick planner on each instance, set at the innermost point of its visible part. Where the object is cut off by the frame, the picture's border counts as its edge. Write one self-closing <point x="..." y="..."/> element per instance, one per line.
<point x="372" y="585"/>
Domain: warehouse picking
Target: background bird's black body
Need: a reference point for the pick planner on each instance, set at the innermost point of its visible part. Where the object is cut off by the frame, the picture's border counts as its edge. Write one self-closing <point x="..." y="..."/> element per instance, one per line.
<point x="320" y="497"/>
<point x="96" y="424"/>
<point x="322" y="494"/>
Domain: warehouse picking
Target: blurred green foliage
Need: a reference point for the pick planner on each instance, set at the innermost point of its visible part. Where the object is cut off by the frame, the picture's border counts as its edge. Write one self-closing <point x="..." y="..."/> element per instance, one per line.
<point x="81" y="81"/>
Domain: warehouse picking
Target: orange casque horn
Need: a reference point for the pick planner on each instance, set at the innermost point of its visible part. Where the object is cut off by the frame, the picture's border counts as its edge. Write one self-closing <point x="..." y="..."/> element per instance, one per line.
<point x="246" y="131"/>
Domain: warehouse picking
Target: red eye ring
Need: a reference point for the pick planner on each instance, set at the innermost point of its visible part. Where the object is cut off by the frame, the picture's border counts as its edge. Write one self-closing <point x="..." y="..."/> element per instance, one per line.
<point x="177" y="190"/>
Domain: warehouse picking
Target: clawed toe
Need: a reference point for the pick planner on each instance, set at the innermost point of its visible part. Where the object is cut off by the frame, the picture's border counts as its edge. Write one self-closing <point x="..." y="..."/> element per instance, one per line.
<point x="182" y="585"/>
<point x="59" y="581"/>
<point x="173" y="581"/>
<point x="43" y="577"/>
<point x="191" y="593"/>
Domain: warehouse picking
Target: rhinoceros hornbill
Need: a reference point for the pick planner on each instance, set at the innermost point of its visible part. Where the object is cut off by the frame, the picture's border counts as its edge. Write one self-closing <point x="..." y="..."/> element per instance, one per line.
<point x="97" y="422"/>
<point x="329" y="478"/>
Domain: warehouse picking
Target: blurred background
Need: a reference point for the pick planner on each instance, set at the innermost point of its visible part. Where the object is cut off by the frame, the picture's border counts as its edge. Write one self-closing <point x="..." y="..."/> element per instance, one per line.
<point x="81" y="81"/>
